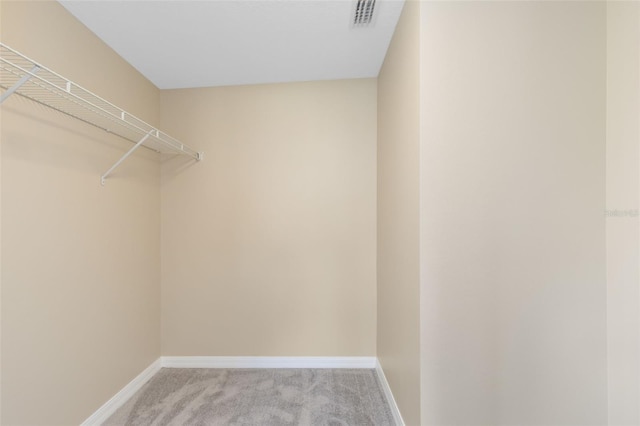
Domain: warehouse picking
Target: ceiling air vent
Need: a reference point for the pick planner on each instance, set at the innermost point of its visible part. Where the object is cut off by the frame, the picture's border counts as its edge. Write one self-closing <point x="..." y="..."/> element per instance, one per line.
<point x="364" y="12"/>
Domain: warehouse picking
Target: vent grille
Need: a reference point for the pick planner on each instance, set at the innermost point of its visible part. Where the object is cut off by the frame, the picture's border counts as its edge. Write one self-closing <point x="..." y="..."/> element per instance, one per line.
<point x="364" y="12"/>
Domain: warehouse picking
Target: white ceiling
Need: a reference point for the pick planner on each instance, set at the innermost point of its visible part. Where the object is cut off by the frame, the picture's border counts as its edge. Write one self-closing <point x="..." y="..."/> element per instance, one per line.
<point x="185" y="43"/>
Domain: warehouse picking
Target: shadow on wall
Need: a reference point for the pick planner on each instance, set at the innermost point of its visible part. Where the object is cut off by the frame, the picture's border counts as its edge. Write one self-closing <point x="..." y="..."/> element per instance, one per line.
<point x="89" y="151"/>
<point x="174" y="165"/>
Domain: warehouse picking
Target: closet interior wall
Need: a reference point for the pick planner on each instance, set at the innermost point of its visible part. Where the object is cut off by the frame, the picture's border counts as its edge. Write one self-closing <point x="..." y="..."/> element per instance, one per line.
<point x="80" y="295"/>
<point x="398" y="204"/>
<point x="268" y="249"/>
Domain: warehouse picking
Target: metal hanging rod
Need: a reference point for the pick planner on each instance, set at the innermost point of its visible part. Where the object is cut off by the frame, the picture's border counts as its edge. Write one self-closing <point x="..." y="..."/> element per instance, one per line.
<point x="25" y="77"/>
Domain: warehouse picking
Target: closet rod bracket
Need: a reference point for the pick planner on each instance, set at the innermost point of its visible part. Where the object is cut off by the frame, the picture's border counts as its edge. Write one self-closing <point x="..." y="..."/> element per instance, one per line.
<point x="19" y="83"/>
<point x="124" y="157"/>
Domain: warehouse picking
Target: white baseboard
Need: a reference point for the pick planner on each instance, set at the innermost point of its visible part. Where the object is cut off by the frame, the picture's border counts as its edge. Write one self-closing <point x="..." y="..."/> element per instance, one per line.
<point x="387" y="392"/>
<point x="266" y="362"/>
<point x="109" y="407"/>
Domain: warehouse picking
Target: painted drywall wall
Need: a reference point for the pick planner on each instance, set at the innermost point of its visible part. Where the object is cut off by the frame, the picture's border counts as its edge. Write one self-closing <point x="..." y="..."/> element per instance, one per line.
<point x="623" y="251"/>
<point x="512" y="227"/>
<point x="398" y="308"/>
<point x="268" y="246"/>
<point x="81" y="262"/>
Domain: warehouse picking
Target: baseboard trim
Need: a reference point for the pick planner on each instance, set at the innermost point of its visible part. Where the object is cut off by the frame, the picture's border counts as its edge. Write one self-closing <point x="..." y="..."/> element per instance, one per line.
<point x="109" y="407"/>
<point x="266" y="362"/>
<point x="387" y="392"/>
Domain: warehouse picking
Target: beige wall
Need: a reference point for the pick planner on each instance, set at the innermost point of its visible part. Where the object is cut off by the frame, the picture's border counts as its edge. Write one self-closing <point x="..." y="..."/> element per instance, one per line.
<point x="623" y="132"/>
<point x="81" y="262"/>
<point x="268" y="246"/>
<point x="398" y="214"/>
<point x="512" y="226"/>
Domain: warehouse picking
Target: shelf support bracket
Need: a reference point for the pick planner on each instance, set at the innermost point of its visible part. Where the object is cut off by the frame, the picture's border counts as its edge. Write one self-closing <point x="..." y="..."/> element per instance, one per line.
<point x="20" y="82"/>
<point x="124" y="157"/>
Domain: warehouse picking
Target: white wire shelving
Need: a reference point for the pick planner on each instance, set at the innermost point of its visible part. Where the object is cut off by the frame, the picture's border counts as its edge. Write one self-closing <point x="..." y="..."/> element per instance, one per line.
<point x="25" y="77"/>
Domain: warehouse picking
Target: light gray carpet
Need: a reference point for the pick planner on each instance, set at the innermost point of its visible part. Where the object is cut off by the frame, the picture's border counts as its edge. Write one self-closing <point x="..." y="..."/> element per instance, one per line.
<point x="198" y="396"/>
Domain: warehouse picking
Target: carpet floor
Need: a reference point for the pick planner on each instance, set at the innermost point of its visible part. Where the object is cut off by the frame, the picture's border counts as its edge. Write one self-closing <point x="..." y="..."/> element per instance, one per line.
<point x="264" y="397"/>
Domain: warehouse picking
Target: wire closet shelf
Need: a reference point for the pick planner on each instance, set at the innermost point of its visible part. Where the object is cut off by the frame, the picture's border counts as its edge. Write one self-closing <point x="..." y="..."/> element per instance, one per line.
<point x="25" y="77"/>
